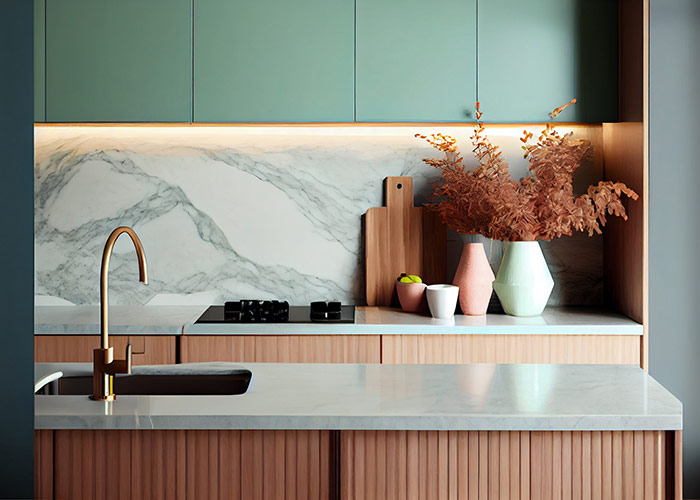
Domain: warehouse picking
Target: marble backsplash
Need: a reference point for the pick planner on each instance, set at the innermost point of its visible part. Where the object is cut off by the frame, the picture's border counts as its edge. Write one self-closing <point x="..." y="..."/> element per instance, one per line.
<point x="245" y="212"/>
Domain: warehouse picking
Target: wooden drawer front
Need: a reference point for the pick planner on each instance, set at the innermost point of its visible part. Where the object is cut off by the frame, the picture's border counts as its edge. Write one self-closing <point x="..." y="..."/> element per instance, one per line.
<point x="282" y="348"/>
<point x="393" y="465"/>
<point x="603" y="349"/>
<point x="194" y="464"/>
<point x="157" y="350"/>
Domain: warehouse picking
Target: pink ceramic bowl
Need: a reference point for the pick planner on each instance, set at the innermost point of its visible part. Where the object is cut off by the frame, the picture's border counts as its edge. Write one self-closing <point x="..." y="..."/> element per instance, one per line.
<point x="411" y="296"/>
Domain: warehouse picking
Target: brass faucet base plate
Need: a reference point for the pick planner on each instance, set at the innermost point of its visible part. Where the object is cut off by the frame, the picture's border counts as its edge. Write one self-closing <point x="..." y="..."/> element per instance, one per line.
<point x="111" y="397"/>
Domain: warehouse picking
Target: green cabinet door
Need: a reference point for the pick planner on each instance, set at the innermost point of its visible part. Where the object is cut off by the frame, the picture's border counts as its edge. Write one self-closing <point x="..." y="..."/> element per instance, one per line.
<point x="39" y="60"/>
<point x="118" y="60"/>
<point x="416" y="60"/>
<point x="535" y="55"/>
<point x="273" y="60"/>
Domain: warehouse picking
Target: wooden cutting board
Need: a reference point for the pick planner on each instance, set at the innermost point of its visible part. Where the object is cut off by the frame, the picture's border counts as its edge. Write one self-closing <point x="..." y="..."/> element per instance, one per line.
<point x="401" y="238"/>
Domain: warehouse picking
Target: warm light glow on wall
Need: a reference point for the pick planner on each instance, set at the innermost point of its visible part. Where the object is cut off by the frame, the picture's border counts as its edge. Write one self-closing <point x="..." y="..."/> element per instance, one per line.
<point x="320" y="130"/>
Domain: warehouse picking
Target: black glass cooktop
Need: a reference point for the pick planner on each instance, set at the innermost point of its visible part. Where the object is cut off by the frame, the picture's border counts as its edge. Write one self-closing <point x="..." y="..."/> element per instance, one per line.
<point x="258" y="311"/>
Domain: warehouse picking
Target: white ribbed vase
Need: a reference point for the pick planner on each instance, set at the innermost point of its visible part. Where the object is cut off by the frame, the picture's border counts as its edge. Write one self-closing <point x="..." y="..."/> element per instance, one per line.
<point x="523" y="283"/>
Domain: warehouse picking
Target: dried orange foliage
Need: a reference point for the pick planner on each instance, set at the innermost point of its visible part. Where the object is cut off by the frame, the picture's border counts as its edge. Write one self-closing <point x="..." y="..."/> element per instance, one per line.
<point x="541" y="206"/>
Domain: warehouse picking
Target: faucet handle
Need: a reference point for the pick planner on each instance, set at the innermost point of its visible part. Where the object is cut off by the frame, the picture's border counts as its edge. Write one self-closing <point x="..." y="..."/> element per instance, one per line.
<point x="139" y="345"/>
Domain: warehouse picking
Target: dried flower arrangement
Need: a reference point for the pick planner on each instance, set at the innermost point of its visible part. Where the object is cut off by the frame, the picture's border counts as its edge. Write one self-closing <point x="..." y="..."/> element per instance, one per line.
<point x="541" y="206"/>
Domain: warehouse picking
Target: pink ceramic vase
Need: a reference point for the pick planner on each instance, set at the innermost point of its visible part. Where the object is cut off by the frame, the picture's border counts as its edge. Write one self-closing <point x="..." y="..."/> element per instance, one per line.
<point x="474" y="278"/>
<point x="411" y="296"/>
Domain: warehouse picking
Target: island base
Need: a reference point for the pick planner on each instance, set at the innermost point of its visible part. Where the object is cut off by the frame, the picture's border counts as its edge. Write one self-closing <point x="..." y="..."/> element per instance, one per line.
<point x="353" y="465"/>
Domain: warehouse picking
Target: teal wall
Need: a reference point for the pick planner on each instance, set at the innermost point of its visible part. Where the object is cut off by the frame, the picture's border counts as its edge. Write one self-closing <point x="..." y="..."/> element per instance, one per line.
<point x="674" y="205"/>
<point x="16" y="250"/>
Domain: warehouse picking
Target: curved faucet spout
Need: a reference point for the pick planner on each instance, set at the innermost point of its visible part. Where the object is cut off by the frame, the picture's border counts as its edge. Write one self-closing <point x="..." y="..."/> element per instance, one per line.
<point x="104" y="293"/>
<point x="104" y="364"/>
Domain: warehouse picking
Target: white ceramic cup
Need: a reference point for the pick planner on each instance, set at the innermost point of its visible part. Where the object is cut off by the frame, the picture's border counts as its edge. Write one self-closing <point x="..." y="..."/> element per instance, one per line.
<point x="442" y="300"/>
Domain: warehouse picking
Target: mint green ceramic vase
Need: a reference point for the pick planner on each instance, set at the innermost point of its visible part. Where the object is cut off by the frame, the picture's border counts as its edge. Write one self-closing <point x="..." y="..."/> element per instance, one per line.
<point x="523" y="283"/>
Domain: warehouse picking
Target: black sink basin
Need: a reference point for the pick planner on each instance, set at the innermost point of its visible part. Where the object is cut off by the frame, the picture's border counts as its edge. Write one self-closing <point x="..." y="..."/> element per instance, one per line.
<point x="159" y="384"/>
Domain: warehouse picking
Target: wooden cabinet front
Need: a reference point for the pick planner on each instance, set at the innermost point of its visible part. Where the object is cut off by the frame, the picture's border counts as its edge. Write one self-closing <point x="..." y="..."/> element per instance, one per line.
<point x="281" y="348"/>
<point x="596" y="349"/>
<point x="354" y="465"/>
<point x="622" y="465"/>
<point x="157" y="350"/>
<point x="192" y="464"/>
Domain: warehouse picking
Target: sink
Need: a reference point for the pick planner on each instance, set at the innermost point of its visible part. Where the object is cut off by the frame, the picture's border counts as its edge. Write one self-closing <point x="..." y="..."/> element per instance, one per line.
<point x="190" y="379"/>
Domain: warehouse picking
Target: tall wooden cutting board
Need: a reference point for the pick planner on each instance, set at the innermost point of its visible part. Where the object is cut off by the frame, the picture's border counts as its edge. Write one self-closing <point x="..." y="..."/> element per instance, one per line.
<point x="401" y="238"/>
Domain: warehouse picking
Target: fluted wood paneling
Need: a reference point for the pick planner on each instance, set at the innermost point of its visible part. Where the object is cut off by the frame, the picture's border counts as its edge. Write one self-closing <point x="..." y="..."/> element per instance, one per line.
<point x="93" y="464"/>
<point x="598" y="349"/>
<point x="43" y="464"/>
<point x="677" y="462"/>
<point x="258" y="465"/>
<point x="157" y="349"/>
<point x="281" y="348"/>
<point x="466" y="465"/>
<point x="194" y="464"/>
<point x="157" y="459"/>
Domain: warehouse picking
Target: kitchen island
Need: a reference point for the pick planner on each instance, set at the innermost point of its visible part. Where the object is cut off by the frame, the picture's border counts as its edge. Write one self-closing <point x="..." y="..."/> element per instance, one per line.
<point x="377" y="431"/>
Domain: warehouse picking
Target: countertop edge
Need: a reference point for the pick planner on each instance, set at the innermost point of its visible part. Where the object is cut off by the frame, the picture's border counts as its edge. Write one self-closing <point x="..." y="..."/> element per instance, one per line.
<point x="368" y="321"/>
<point x="223" y="330"/>
<point x="457" y="423"/>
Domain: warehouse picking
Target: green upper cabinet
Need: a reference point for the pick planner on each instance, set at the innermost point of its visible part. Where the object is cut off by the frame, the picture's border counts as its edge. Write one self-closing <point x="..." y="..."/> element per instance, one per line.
<point x="324" y="60"/>
<point x="273" y="60"/>
<point x="416" y="60"/>
<point x="39" y="60"/>
<point x="118" y="60"/>
<point x="535" y="55"/>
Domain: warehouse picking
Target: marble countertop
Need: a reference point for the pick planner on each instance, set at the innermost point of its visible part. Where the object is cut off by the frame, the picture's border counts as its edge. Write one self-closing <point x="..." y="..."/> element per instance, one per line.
<point x="390" y="397"/>
<point x="176" y="320"/>
<point x="125" y="320"/>
<point x="387" y="321"/>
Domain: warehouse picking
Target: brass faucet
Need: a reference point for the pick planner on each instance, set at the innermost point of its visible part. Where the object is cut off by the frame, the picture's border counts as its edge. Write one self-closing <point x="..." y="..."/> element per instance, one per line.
<point x="105" y="366"/>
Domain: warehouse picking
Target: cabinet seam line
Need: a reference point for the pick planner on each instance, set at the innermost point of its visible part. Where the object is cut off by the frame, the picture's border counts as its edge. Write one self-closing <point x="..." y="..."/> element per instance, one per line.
<point x="191" y="61"/>
<point x="477" y="49"/>
<point x="354" y="65"/>
<point x="46" y="45"/>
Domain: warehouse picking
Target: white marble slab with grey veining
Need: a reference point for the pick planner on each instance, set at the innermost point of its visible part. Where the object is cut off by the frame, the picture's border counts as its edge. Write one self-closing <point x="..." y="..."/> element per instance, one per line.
<point x="392" y="397"/>
<point x="176" y="320"/>
<point x="227" y="213"/>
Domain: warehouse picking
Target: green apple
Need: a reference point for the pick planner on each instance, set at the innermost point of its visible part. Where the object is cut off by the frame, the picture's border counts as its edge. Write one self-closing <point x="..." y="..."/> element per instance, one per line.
<point x="409" y="278"/>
